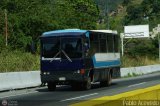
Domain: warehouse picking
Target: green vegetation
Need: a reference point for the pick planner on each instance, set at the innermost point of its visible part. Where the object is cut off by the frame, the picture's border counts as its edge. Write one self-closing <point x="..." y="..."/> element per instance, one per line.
<point x="128" y="61"/>
<point x="18" y="61"/>
<point x="28" y="19"/>
<point x="112" y="5"/>
<point x="142" y="12"/>
<point x="132" y="75"/>
<point x="107" y="7"/>
<point x="141" y="52"/>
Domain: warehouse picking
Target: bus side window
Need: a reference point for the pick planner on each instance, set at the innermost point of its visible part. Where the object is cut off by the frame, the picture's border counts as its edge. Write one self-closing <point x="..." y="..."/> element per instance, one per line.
<point x="116" y="41"/>
<point x="110" y="43"/>
<point x="94" y="44"/>
<point x="103" y="43"/>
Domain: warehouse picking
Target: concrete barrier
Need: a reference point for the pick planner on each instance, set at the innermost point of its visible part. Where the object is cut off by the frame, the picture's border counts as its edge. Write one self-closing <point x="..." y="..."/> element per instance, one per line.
<point x="142" y="97"/>
<point x="139" y="70"/>
<point x="16" y="80"/>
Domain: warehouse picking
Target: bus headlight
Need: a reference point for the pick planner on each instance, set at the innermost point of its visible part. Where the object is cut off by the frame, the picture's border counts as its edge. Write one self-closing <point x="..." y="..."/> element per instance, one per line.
<point x="78" y="71"/>
<point x="48" y="73"/>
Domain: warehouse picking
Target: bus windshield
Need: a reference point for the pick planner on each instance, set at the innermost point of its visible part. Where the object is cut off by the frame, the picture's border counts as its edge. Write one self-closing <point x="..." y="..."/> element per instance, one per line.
<point x="62" y="47"/>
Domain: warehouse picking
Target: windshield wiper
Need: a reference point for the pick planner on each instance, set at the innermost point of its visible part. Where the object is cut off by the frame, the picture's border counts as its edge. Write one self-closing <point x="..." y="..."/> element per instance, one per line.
<point x="63" y="53"/>
<point x="54" y="58"/>
<point x="66" y="56"/>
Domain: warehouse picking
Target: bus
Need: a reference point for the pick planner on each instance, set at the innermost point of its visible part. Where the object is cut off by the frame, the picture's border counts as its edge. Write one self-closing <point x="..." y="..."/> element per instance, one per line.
<point x="79" y="58"/>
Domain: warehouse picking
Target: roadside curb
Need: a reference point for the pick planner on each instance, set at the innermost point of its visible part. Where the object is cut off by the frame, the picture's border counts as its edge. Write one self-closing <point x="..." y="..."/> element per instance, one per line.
<point x="139" y="70"/>
<point x="17" y="80"/>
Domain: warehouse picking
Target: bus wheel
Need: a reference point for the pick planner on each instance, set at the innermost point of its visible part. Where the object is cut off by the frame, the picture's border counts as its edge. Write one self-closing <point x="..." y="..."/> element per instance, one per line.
<point x="87" y="85"/>
<point x="75" y="86"/>
<point x="108" y="80"/>
<point x="51" y="86"/>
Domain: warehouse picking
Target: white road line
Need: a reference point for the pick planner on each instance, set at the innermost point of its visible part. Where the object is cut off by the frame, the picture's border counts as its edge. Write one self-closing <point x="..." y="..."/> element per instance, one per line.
<point x="137" y="84"/>
<point x="18" y="94"/>
<point x="79" y="97"/>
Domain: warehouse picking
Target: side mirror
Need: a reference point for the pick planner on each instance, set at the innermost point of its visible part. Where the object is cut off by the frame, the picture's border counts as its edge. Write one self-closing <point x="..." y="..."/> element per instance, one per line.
<point x="86" y="46"/>
<point x="33" y="49"/>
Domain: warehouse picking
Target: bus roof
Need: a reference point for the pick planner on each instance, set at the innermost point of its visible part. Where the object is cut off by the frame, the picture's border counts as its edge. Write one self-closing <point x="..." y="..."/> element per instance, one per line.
<point x="105" y="31"/>
<point x="73" y="32"/>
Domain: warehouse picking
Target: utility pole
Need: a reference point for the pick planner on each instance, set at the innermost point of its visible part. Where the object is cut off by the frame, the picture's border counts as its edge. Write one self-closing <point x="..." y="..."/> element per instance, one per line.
<point x="159" y="46"/>
<point x="122" y="45"/>
<point x="6" y="27"/>
<point x="108" y="14"/>
<point x="158" y="37"/>
<point x="158" y="29"/>
<point x="158" y="34"/>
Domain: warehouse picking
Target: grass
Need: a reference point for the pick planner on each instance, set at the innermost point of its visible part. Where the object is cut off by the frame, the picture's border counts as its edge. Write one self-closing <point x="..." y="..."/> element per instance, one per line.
<point x="138" y="61"/>
<point x="18" y="61"/>
<point x="132" y="75"/>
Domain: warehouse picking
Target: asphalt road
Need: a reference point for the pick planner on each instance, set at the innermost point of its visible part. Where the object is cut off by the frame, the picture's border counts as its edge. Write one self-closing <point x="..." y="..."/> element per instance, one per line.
<point x="64" y="95"/>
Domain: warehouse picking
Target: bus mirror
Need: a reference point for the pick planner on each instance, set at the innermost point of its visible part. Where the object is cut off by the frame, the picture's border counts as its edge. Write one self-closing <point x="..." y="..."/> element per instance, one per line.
<point x="33" y="50"/>
<point x="86" y="46"/>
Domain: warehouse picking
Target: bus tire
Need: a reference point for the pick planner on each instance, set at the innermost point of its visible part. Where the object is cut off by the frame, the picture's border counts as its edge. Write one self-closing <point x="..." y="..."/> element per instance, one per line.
<point x="108" y="80"/>
<point x="51" y="86"/>
<point x="87" y="84"/>
<point x="75" y="86"/>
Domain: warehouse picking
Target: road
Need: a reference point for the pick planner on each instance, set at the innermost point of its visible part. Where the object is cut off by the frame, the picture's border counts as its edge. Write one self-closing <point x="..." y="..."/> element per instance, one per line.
<point x="64" y="95"/>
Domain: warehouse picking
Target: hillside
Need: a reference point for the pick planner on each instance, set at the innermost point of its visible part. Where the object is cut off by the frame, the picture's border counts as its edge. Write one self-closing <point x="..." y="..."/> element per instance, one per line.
<point x="112" y="4"/>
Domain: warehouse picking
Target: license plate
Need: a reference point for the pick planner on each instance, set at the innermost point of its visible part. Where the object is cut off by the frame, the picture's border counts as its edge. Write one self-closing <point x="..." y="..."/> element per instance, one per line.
<point x="62" y="78"/>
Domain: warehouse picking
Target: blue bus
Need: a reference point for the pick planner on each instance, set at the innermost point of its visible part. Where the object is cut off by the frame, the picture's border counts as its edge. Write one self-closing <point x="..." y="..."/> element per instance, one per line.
<point x="79" y="57"/>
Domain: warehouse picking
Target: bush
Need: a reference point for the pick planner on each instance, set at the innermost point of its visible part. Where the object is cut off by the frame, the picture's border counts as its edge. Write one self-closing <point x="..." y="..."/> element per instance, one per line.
<point x="142" y="47"/>
<point x="129" y="61"/>
<point x="18" y="61"/>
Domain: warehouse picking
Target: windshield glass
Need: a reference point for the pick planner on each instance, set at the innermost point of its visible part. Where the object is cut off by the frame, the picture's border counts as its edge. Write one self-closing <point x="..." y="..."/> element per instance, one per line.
<point x="50" y="47"/>
<point x="62" y="48"/>
<point x="72" y="47"/>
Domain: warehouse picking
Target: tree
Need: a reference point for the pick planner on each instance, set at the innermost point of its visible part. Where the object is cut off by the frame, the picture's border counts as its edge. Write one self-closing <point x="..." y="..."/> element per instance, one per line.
<point x="126" y="2"/>
<point x="28" y="19"/>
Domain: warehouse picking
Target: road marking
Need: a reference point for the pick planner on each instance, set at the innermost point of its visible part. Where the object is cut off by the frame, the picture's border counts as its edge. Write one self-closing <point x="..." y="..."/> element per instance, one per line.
<point x="18" y="94"/>
<point x="137" y="84"/>
<point x="129" y="95"/>
<point x="79" y="97"/>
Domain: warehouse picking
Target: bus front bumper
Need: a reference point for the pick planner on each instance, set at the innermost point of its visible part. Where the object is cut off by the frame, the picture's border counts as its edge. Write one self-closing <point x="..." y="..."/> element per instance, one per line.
<point x="62" y="77"/>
